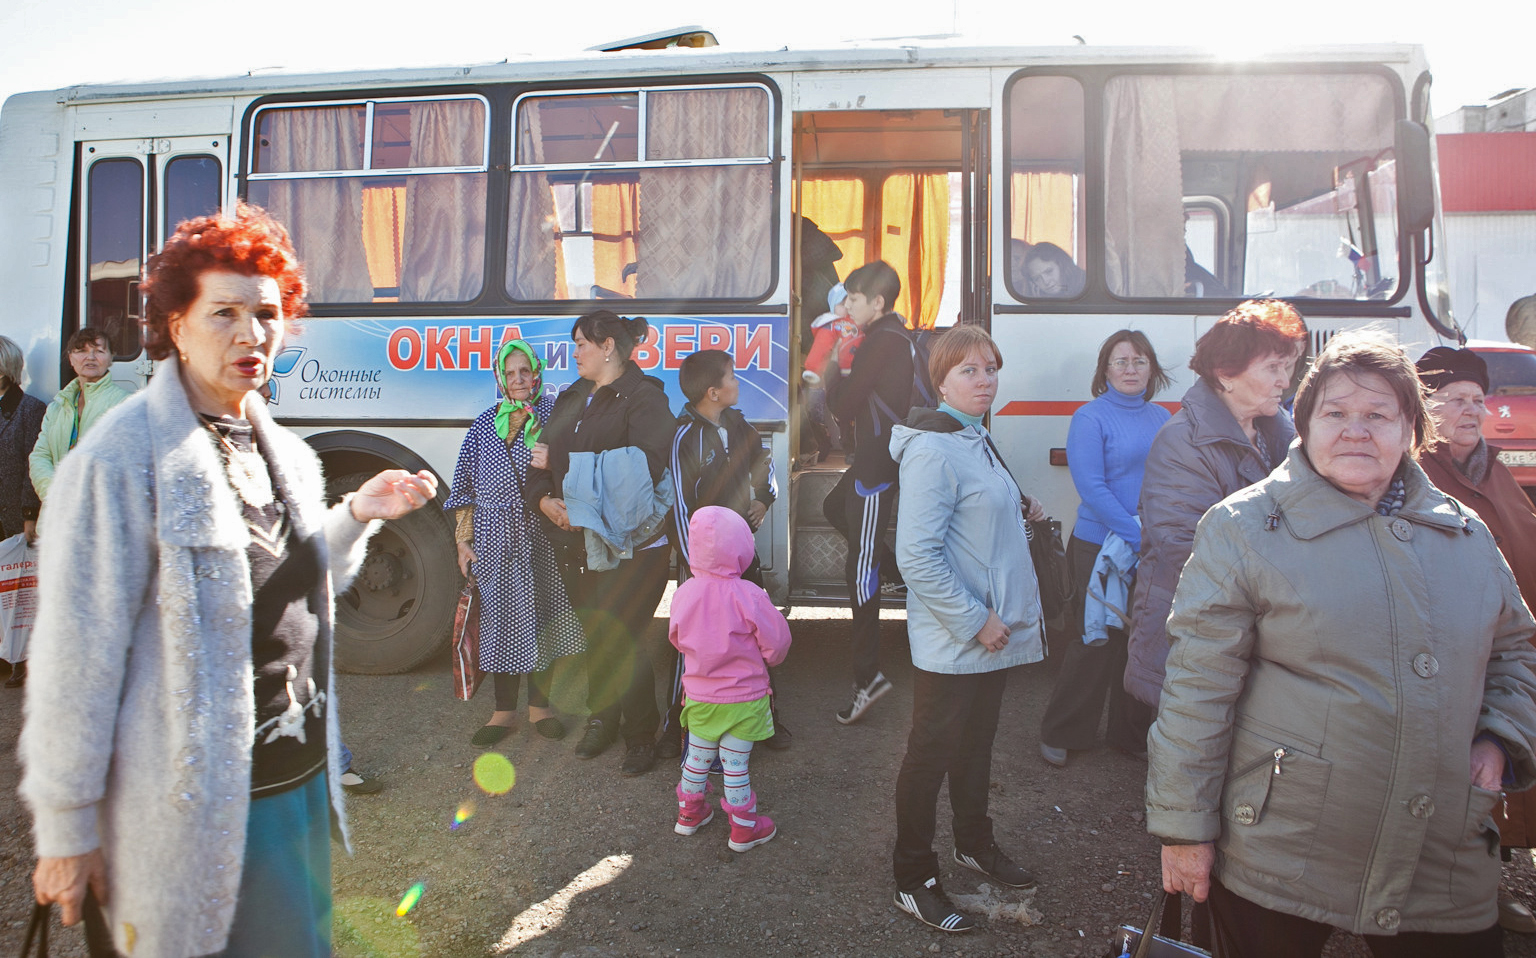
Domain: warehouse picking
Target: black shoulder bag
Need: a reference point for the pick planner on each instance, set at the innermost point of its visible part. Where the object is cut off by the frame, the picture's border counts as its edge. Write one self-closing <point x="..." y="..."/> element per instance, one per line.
<point x="1046" y="550"/>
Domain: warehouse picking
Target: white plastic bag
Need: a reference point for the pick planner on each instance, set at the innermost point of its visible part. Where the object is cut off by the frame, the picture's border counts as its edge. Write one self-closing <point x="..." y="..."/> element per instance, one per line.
<point x="18" y="597"/>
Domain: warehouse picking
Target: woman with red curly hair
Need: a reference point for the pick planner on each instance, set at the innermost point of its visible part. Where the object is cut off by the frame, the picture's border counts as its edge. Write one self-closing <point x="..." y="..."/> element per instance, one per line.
<point x="1229" y="432"/>
<point x="185" y="598"/>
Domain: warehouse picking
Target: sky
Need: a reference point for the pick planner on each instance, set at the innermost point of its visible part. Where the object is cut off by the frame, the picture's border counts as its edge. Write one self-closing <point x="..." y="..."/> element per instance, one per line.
<point x="47" y="44"/>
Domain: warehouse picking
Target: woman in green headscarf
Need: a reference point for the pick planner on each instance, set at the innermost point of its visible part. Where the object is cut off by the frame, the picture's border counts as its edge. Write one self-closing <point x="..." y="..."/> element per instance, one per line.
<point x="526" y="620"/>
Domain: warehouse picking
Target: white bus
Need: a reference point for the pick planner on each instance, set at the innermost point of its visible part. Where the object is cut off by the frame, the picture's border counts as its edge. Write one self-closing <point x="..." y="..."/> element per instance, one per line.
<point x="440" y="210"/>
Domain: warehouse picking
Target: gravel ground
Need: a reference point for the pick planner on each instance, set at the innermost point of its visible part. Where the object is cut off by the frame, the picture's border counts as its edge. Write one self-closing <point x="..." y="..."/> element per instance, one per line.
<point x="577" y="861"/>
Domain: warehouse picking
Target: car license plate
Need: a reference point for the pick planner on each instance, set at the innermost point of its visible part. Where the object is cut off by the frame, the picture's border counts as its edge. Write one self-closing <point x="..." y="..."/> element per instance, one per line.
<point x="1518" y="457"/>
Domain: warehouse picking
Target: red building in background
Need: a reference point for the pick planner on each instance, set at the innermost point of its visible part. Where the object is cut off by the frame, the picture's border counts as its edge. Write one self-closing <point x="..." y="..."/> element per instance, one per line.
<point x="1488" y="190"/>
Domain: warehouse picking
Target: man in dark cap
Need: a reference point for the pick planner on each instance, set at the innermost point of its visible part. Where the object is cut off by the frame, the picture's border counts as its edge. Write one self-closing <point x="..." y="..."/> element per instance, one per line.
<point x="1465" y="466"/>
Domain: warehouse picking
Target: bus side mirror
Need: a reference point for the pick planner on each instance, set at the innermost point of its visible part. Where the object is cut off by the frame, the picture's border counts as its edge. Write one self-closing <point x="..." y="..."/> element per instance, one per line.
<point x="1415" y="178"/>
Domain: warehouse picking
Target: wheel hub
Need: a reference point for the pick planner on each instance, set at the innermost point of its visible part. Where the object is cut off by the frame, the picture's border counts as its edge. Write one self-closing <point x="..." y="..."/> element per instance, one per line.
<point x="380" y="571"/>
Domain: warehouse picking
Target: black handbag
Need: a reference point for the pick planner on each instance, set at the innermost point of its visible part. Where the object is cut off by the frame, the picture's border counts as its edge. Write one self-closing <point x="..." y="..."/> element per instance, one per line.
<point x="37" y="930"/>
<point x="1052" y="571"/>
<point x="98" y="938"/>
<point x="1133" y="942"/>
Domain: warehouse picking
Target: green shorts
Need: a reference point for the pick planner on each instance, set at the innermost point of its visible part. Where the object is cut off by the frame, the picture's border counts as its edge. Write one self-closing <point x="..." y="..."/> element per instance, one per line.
<point x="711" y="721"/>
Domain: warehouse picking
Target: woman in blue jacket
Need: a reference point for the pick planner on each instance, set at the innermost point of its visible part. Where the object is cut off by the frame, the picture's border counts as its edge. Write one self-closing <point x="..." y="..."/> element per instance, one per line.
<point x="1107" y="452"/>
<point x="973" y="612"/>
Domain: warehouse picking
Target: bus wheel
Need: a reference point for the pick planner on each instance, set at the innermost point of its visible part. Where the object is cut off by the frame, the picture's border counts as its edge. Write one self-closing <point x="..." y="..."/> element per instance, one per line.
<point x="398" y="611"/>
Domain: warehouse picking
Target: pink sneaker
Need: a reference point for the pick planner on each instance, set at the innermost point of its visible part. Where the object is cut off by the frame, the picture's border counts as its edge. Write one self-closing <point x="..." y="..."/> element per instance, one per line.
<point x="748" y="828"/>
<point x="693" y="812"/>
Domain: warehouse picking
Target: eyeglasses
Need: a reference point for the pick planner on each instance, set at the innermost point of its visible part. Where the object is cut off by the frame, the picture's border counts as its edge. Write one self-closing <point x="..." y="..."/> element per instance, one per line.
<point x="1121" y="365"/>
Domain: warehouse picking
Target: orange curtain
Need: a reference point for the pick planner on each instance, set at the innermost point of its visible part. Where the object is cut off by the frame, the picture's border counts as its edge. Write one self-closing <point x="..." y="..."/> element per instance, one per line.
<point x="912" y="232"/>
<point x="1043" y="210"/>
<point x="914" y="238"/>
<point x="384" y="236"/>
<point x="615" y="218"/>
<point x="836" y="206"/>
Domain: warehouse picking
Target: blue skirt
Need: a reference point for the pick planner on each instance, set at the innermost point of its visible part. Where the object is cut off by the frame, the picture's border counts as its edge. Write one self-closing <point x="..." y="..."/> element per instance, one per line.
<point x="285" y="889"/>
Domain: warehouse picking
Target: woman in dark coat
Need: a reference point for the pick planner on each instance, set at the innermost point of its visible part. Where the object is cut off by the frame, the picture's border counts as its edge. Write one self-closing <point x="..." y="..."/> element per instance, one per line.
<point x="21" y="417"/>
<point x="1465" y="466"/>
<point x="612" y="406"/>
<point x="1229" y="433"/>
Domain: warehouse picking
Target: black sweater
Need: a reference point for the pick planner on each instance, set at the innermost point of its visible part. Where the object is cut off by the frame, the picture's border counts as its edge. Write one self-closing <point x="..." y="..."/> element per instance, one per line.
<point x="876" y="394"/>
<point x="630" y="411"/>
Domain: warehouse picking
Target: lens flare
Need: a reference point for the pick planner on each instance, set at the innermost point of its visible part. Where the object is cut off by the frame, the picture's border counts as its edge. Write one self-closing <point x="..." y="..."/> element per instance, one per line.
<point x="494" y="773"/>
<point x="408" y="901"/>
<point x="464" y="814"/>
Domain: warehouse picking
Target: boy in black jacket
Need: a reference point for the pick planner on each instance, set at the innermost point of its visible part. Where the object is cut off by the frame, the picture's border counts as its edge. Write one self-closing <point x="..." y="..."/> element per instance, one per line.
<point x="718" y="459"/>
<point x="876" y="394"/>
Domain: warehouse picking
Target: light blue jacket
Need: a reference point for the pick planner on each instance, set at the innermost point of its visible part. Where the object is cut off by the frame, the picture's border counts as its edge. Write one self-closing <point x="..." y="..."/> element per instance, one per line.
<point x="610" y="496"/>
<point x="1108" y="603"/>
<point x="961" y="546"/>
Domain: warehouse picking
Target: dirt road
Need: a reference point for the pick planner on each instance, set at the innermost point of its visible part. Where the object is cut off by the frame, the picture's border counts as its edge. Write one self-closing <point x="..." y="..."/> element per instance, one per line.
<point x="577" y="861"/>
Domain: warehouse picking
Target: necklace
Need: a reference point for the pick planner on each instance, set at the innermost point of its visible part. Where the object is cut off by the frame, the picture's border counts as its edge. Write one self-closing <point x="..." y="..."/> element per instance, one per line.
<point x="248" y="478"/>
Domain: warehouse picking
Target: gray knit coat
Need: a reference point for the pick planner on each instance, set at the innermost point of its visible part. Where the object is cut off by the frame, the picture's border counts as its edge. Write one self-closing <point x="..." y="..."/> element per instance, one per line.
<point x="140" y="711"/>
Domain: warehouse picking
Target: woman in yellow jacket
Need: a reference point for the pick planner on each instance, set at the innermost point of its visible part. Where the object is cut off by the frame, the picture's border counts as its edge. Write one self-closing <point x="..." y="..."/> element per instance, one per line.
<point x="77" y="407"/>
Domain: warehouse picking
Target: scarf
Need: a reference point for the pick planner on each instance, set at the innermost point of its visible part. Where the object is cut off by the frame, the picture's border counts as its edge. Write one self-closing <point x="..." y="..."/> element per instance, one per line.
<point x="1476" y="466"/>
<point x="964" y="418"/>
<point x="1397" y="494"/>
<point x="520" y="409"/>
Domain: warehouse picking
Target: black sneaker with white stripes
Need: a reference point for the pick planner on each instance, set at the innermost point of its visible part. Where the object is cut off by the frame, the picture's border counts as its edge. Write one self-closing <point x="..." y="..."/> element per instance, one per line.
<point x="996" y="866"/>
<point x="863" y="697"/>
<point x="931" y="906"/>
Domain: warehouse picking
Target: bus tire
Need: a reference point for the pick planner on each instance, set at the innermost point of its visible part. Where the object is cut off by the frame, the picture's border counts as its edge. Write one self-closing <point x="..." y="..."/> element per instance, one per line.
<point x="398" y="611"/>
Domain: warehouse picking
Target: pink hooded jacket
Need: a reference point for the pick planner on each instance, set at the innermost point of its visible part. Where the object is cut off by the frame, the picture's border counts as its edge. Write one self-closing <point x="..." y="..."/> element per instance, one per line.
<point x="727" y="629"/>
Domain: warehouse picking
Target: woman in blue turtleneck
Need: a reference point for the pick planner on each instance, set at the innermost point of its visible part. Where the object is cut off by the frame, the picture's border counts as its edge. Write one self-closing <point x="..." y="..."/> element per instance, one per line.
<point x="1107" y="452"/>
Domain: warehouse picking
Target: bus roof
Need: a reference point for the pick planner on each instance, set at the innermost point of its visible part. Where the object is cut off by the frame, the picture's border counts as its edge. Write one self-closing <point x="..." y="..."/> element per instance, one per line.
<point x="924" y="53"/>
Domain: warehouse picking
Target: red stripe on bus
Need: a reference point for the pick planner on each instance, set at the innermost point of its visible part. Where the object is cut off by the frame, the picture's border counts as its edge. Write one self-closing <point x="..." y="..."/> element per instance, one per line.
<point x="1043" y="407"/>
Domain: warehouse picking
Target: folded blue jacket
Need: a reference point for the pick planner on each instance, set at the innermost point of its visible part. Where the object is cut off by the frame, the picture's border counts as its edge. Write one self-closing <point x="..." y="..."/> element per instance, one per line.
<point x="610" y="496"/>
<point x="1108" y="603"/>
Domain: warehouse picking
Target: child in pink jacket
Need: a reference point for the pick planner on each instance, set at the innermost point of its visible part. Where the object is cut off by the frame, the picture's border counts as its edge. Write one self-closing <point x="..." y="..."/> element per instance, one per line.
<point x="729" y="633"/>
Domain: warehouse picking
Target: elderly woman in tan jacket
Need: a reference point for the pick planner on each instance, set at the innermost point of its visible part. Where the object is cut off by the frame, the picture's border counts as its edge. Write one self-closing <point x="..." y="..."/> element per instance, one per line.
<point x="1348" y="690"/>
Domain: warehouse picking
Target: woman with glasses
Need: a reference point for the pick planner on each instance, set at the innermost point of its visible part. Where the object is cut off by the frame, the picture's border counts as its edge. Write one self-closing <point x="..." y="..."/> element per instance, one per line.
<point x="1107" y="446"/>
<point x="1464" y="465"/>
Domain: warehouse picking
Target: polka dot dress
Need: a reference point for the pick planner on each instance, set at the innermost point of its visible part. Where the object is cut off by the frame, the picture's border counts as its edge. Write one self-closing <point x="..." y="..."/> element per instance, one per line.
<point x="526" y="620"/>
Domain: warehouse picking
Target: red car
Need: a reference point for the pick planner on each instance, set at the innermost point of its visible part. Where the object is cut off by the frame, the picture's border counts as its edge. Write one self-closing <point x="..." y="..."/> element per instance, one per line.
<point x="1511" y="422"/>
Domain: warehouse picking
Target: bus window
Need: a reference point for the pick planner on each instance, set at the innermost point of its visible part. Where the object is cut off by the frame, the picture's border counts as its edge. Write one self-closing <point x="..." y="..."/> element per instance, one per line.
<point x="114" y="245"/>
<point x="1303" y="161"/>
<point x="603" y="208"/>
<point x="1205" y="243"/>
<point x="191" y="189"/>
<point x="385" y="199"/>
<point x="1045" y="188"/>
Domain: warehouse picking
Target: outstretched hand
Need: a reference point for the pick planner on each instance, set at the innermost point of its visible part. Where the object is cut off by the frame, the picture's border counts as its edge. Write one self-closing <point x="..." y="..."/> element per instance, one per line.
<point x="392" y="494"/>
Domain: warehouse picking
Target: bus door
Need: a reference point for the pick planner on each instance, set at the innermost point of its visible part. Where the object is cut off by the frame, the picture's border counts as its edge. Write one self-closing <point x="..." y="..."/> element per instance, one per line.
<point x="908" y="187"/>
<point x="133" y="194"/>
